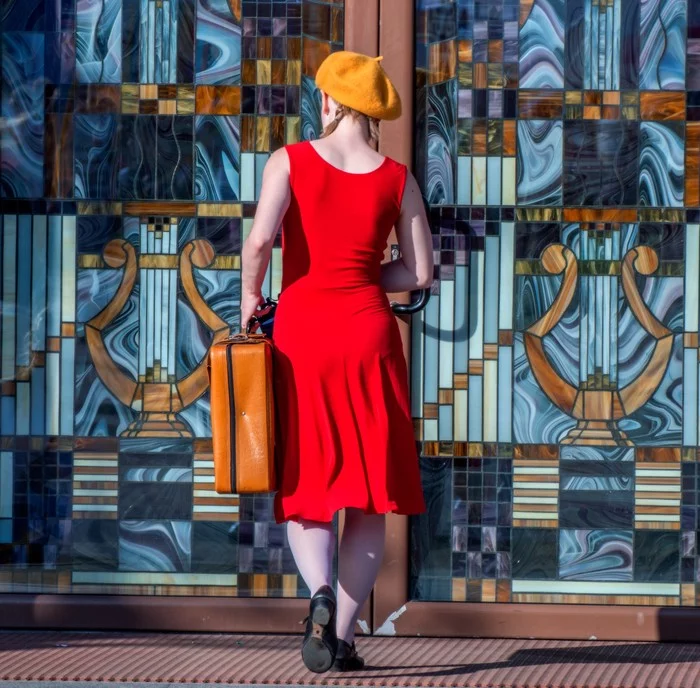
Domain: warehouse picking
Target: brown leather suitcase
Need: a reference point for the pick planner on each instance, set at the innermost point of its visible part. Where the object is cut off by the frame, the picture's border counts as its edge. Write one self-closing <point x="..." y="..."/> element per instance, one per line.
<point x="242" y="414"/>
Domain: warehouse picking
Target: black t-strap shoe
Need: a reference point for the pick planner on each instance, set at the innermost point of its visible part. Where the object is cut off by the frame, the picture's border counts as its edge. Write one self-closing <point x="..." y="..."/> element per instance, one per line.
<point x="347" y="659"/>
<point x="320" y="643"/>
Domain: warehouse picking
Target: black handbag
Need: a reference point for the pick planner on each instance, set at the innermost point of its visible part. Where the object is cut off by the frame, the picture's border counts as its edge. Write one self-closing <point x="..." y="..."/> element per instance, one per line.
<point x="264" y="319"/>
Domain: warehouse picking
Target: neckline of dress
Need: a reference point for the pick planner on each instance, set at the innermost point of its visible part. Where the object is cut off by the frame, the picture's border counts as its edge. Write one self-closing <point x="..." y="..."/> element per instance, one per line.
<point x="338" y="169"/>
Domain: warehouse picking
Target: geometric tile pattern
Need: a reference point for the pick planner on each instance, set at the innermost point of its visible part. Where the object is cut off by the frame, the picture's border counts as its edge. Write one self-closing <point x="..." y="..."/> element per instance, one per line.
<point x="134" y="137"/>
<point x="555" y="370"/>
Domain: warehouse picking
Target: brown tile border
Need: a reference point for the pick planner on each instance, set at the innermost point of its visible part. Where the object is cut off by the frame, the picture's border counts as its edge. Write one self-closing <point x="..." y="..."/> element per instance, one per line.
<point x="146" y="613"/>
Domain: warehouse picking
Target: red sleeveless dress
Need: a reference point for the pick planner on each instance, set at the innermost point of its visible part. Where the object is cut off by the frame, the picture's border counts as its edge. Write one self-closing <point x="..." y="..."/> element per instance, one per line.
<point x="346" y="435"/>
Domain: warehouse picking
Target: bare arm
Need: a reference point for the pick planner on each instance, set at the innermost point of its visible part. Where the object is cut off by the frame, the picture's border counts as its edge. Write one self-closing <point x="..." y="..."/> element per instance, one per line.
<point x="275" y="197"/>
<point x="414" y="270"/>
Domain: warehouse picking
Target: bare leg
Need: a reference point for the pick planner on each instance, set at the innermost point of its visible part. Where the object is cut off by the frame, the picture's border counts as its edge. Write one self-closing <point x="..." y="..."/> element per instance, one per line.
<point x="313" y="546"/>
<point x="359" y="559"/>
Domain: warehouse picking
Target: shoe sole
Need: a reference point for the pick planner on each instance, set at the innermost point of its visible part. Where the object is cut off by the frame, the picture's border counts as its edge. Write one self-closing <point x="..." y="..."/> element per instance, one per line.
<point x="317" y="656"/>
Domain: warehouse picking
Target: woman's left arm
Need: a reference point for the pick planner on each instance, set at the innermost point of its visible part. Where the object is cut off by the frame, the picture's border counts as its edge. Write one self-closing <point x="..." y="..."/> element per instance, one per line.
<point x="275" y="197"/>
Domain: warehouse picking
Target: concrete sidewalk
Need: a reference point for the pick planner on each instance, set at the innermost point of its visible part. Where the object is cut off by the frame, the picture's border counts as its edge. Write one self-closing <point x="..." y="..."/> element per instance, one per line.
<point x="62" y="658"/>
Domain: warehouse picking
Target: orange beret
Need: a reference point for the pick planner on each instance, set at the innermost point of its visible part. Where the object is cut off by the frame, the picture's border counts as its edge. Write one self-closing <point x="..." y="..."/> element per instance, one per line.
<point x="359" y="82"/>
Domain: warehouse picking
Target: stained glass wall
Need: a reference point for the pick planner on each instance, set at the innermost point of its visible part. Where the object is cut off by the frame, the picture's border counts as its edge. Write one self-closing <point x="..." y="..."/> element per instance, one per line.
<point x="555" y="371"/>
<point x="134" y="135"/>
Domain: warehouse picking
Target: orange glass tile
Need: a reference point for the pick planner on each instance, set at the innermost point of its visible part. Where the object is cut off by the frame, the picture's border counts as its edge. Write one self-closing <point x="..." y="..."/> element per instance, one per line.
<point x="464" y="51"/>
<point x="218" y="100"/>
<point x="611" y="98"/>
<point x="479" y="137"/>
<point x="690" y="340"/>
<point x="165" y="208"/>
<point x="315" y="52"/>
<point x="248" y="72"/>
<point x="294" y="48"/>
<point x="459" y="590"/>
<point x="480" y="75"/>
<point x="68" y="329"/>
<point x="247" y="134"/>
<point x="600" y="215"/>
<point x="592" y="98"/>
<point x="509" y="128"/>
<point x="610" y="112"/>
<point x="536" y="451"/>
<point x="661" y="105"/>
<point x="278" y="72"/>
<point x="503" y="591"/>
<point x="525" y="9"/>
<point x="495" y="51"/>
<point x="540" y="104"/>
<point x="591" y="112"/>
<point x="264" y="48"/>
<point x="658" y="454"/>
<point x="442" y="61"/>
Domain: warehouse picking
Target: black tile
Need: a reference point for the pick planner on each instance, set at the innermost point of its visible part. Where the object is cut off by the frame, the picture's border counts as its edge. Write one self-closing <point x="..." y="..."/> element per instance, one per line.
<point x="596" y="509"/>
<point x="95" y="545"/>
<point x="656" y="556"/>
<point x="214" y="547"/>
<point x="160" y="501"/>
<point x="534" y="553"/>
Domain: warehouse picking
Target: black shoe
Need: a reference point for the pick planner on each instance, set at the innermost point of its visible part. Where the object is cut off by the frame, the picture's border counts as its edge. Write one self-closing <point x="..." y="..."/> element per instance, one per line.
<point x="320" y="642"/>
<point x="347" y="659"/>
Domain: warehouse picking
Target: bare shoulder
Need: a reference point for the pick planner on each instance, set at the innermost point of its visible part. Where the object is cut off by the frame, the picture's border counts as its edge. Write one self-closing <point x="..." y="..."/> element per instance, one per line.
<point x="412" y="196"/>
<point x="278" y="164"/>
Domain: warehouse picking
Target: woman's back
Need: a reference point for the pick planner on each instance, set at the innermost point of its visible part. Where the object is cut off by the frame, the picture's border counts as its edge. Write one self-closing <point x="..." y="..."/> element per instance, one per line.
<point x="338" y="222"/>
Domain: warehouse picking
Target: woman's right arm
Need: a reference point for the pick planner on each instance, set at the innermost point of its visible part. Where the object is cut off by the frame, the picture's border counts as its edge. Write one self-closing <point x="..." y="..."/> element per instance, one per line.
<point x="414" y="269"/>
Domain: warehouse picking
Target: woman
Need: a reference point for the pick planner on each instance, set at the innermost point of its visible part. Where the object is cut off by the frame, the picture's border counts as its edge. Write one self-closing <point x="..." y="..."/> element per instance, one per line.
<point x="341" y="381"/>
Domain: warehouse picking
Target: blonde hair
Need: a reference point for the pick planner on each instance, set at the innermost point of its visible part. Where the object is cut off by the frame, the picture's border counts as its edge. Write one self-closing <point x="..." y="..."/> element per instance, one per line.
<point x="341" y="112"/>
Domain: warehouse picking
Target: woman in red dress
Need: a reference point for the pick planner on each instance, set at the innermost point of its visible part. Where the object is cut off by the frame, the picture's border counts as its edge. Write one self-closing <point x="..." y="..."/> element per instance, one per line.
<point x="346" y="433"/>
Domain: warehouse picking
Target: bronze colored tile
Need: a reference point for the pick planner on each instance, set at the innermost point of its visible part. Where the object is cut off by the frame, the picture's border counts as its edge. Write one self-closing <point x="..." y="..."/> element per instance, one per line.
<point x="611" y="98"/>
<point x="658" y="454"/>
<point x="248" y="73"/>
<point x="464" y="51"/>
<point x="476" y="367"/>
<point x="592" y="98"/>
<point x="247" y="134"/>
<point x="442" y="61"/>
<point x="294" y="48"/>
<point x="278" y="72"/>
<point x="460" y="381"/>
<point x="236" y="8"/>
<point x="315" y="52"/>
<point x="490" y="352"/>
<point x="461" y="449"/>
<point x="505" y="337"/>
<point x="262" y="135"/>
<point x="611" y="112"/>
<point x="536" y="451"/>
<point x="68" y="330"/>
<point x="540" y="104"/>
<point x="509" y="136"/>
<point x="690" y="340"/>
<point x="166" y="208"/>
<point x="692" y="164"/>
<point x="277" y="132"/>
<point x="167" y="92"/>
<point x="495" y="51"/>
<point x="459" y="590"/>
<point x="148" y="91"/>
<point x="525" y="9"/>
<point x="58" y="154"/>
<point x="480" y="75"/>
<point x="591" y="112"/>
<point x="600" y="215"/>
<point x="479" y="137"/>
<point x="148" y="107"/>
<point x="430" y="449"/>
<point x="430" y="411"/>
<point x="264" y="49"/>
<point x="218" y="100"/>
<point x="662" y="105"/>
<point x="445" y="396"/>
